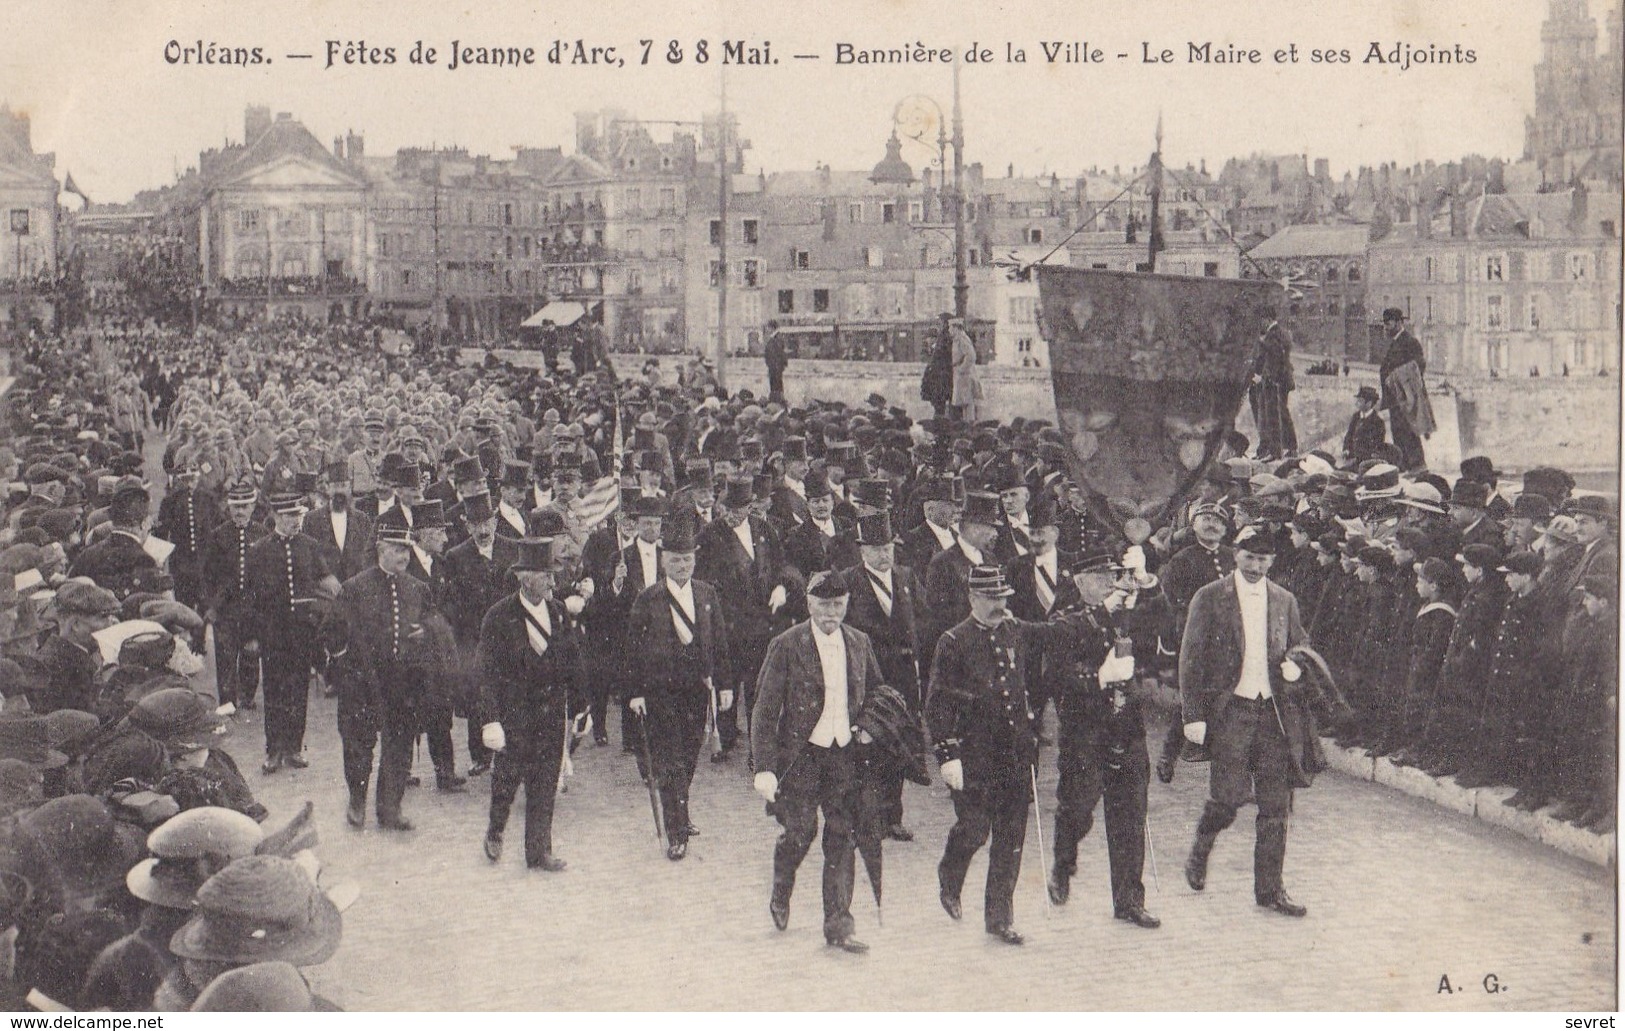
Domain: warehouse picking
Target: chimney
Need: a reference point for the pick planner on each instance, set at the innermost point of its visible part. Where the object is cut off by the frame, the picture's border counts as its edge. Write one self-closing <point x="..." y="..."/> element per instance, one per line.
<point x="1323" y="169"/>
<point x="1458" y="217"/>
<point x="338" y="147"/>
<point x="256" y="119"/>
<point x="355" y="147"/>
<point x="587" y="133"/>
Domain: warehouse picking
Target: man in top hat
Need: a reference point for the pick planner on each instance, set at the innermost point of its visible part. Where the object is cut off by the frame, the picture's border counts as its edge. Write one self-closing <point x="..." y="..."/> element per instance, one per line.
<point x="531" y="664"/>
<point x="1042" y="580"/>
<point x="742" y="556"/>
<point x="804" y="748"/>
<point x="946" y="578"/>
<point x="1403" y="349"/>
<point x="1102" y="739"/>
<point x="476" y="577"/>
<point x="918" y="546"/>
<point x="679" y="640"/>
<point x="404" y="481"/>
<point x="790" y="496"/>
<point x="285" y="576"/>
<point x="883" y="605"/>
<point x="428" y="537"/>
<point x="982" y="726"/>
<point x="1015" y="530"/>
<point x="1234" y="678"/>
<point x="186" y="516"/>
<point x="820" y="541"/>
<point x="344" y="534"/>
<point x="634" y="568"/>
<point x="236" y="672"/>
<point x="515" y="500"/>
<point x="469" y="479"/>
<point x="1270" y="388"/>
<point x="1366" y="431"/>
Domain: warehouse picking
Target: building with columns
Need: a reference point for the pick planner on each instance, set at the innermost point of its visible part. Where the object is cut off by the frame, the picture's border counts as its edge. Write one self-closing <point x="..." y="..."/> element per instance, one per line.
<point x="282" y="227"/>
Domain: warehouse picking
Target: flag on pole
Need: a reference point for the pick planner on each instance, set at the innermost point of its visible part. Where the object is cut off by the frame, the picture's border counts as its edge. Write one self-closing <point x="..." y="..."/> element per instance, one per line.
<point x="69" y="186"/>
<point x="600" y="502"/>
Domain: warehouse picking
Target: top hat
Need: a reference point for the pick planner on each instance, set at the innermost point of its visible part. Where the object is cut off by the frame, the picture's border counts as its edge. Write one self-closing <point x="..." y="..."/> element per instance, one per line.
<point x="536" y="555"/>
<point x="875" y="530"/>
<point x="738" y="494"/>
<point x="477" y="508"/>
<point x="982" y="507"/>
<point x="467" y="469"/>
<point x="873" y="493"/>
<point x="677" y="535"/>
<point x="794" y="449"/>
<point x="1041" y="512"/>
<point x="1470" y="493"/>
<point x="817" y="488"/>
<point x="429" y="515"/>
<point x="548" y="523"/>
<point x="1480" y="468"/>
<point x="403" y="473"/>
<point x="515" y="474"/>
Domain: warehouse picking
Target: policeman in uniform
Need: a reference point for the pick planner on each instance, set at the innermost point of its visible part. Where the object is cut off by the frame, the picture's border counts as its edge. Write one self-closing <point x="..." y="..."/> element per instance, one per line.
<point x="286" y="574"/>
<point x="237" y="673"/>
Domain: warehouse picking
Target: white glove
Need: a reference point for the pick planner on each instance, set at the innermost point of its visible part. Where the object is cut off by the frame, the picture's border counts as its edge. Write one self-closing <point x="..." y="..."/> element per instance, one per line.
<point x="776" y="600"/>
<point x="767" y="785"/>
<point x="1114" y="601"/>
<point x="491" y="737"/>
<point x="953" y="774"/>
<point x="586" y="588"/>
<point x="638" y="706"/>
<point x="1291" y="672"/>
<point x="574" y="604"/>
<point x="725" y="699"/>
<point x="1196" y="733"/>
<point x="1134" y="558"/>
<point x="1116" y="669"/>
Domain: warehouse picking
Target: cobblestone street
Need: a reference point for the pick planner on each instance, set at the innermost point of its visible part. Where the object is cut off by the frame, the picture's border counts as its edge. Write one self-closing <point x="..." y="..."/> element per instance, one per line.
<point x="1400" y="892"/>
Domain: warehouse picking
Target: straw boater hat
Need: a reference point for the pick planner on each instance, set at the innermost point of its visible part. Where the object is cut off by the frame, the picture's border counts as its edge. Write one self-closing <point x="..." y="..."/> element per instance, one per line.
<point x="187" y="850"/>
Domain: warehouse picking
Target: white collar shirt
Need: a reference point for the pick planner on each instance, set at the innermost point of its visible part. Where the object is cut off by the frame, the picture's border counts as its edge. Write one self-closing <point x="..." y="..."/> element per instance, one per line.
<point x="1254" y="681"/>
<point x="746" y="540"/>
<point x="647" y="558"/>
<point x="538" y="639"/>
<point x="834" y="727"/>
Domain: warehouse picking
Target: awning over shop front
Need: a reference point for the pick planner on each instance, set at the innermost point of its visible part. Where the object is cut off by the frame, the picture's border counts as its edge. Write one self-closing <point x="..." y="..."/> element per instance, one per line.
<point x="556" y="313"/>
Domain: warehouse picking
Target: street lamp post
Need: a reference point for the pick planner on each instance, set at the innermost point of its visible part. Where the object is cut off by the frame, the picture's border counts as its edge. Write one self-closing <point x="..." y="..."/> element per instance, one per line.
<point x="961" y="285"/>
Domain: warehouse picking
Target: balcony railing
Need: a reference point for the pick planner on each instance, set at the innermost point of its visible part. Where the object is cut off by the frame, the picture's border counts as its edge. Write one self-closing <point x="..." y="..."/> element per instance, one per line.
<point x="289" y="286"/>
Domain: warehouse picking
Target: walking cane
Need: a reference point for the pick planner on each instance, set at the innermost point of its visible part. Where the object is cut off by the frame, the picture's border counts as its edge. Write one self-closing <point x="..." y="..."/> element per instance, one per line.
<point x="1151" y="850"/>
<point x="654" y="788"/>
<point x="1043" y="860"/>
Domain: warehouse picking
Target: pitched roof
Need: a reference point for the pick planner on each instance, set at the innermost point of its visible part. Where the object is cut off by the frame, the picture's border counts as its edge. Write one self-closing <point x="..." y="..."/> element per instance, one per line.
<point x="283" y="138"/>
<point x="1314" y="241"/>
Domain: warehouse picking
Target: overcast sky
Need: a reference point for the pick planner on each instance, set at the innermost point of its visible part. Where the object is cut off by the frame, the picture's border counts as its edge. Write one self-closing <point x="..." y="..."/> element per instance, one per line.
<point x="93" y="76"/>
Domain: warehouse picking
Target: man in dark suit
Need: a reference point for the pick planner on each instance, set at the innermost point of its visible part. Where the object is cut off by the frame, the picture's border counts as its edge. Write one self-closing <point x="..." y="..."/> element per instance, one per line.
<point x="531" y="667"/>
<point x="636" y="567"/>
<point x="1042" y="580"/>
<point x="119" y="562"/>
<point x="186" y="517"/>
<point x="468" y="479"/>
<point x="605" y="619"/>
<point x="385" y="655"/>
<point x="918" y="546"/>
<point x="741" y="556"/>
<point x="476" y="577"/>
<point x="439" y="702"/>
<point x="882" y="605"/>
<point x="821" y="541"/>
<point x="286" y="578"/>
<point x="1403" y="349"/>
<point x="1270" y="388"/>
<point x="515" y="500"/>
<point x="948" y="575"/>
<point x="790" y="495"/>
<point x="1234" y="684"/>
<point x="804" y="748"/>
<point x="236" y="673"/>
<point x="1015" y="529"/>
<point x="678" y="641"/>
<point x="344" y="534"/>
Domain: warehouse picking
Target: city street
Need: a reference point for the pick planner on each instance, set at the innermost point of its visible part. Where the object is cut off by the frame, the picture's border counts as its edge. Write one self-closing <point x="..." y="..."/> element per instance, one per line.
<point x="1401" y="894"/>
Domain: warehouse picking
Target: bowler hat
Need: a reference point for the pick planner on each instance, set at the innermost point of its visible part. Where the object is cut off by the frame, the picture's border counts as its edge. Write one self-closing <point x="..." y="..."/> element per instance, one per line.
<point x="1470" y="493"/>
<point x="1366" y="393"/>
<point x="1525" y="562"/>
<point x="1594" y="505"/>
<point x="1480" y="468"/>
<point x="1534" y="507"/>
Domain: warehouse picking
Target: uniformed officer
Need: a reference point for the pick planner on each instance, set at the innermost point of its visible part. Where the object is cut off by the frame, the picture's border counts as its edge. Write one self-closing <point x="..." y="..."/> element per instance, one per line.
<point x="237" y="673"/>
<point x="986" y="743"/>
<point x="1102" y="741"/>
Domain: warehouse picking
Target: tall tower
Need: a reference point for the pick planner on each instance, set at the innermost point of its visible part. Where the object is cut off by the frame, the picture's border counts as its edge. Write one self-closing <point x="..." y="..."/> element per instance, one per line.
<point x="1566" y="101"/>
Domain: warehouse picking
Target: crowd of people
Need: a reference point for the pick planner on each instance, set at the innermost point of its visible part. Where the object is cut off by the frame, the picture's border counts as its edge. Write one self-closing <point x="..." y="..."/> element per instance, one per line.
<point x="828" y="595"/>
